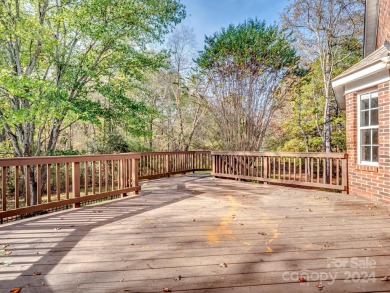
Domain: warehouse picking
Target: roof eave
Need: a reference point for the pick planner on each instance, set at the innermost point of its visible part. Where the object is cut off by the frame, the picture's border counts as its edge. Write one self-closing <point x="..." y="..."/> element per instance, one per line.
<point x="340" y="83"/>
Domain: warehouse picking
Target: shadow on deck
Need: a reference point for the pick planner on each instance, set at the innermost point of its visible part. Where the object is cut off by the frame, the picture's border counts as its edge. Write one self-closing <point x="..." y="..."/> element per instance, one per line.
<point x="189" y="226"/>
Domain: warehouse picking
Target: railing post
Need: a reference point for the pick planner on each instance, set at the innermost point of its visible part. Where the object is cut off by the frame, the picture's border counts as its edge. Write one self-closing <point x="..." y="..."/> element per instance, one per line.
<point x="123" y="176"/>
<point x="76" y="182"/>
<point x="344" y="174"/>
<point x="167" y="165"/>
<point x="193" y="162"/>
<point x="135" y="174"/>
<point x="213" y="164"/>
<point x="265" y="160"/>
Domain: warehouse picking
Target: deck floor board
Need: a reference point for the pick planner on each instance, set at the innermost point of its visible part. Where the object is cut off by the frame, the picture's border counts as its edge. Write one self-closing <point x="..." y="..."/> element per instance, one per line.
<point x="189" y="225"/>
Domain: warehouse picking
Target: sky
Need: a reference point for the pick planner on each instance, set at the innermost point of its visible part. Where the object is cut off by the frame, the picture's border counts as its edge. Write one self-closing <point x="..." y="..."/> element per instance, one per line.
<point x="209" y="16"/>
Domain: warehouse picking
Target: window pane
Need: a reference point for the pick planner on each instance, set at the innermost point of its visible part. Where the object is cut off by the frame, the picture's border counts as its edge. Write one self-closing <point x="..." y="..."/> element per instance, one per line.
<point x="374" y="117"/>
<point x="374" y="102"/>
<point x="366" y="136"/>
<point x="366" y="153"/>
<point x="375" y="139"/>
<point x="375" y="154"/>
<point x="364" y="118"/>
<point x="365" y="102"/>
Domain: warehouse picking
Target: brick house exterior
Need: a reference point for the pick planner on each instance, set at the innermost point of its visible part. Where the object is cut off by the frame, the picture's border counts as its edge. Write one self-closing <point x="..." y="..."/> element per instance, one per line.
<point x="383" y="33"/>
<point x="364" y="92"/>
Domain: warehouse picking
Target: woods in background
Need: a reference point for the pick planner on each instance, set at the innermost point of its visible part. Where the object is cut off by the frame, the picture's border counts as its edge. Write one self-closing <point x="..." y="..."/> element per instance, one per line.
<point x="90" y="77"/>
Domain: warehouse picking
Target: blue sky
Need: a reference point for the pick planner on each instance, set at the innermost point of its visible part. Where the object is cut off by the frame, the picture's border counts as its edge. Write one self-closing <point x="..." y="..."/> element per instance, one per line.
<point x="209" y="16"/>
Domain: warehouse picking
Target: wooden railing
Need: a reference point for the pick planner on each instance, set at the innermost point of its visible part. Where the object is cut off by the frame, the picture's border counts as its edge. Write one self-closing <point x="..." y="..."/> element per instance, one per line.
<point x="31" y="185"/>
<point x="41" y="183"/>
<point x="36" y="184"/>
<point x="321" y="170"/>
<point x="163" y="164"/>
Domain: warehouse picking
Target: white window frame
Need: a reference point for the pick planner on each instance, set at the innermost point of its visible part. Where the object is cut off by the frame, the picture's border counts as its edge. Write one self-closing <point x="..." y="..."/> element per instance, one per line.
<point x="360" y="128"/>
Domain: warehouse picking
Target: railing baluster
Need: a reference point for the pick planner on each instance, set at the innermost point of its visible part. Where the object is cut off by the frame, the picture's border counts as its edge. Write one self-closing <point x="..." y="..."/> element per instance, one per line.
<point x="58" y="181"/>
<point x="76" y="182"/>
<point x="39" y="182"/>
<point x="16" y="187"/>
<point x="86" y="178"/>
<point x="48" y="183"/>
<point x="311" y="170"/>
<point x="67" y="180"/>
<point x="100" y="176"/>
<point x="4" y="188"/>
<point x="324" y="170"/>
<point x="93" y="177"/>
<point x="318" y="170"/>
<point x="112" y="175"/>
<point x="27" y="177"/>
<point x="106" y="179"/>
<point x="337" y="171"/>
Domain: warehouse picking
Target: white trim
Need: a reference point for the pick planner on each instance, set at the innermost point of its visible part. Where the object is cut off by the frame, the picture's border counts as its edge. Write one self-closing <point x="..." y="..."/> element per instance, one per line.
<point x="370" y="164"/>
<point x="360" y="74"/>
<point x="359" y="128"/>
<point x="367" y="85"/>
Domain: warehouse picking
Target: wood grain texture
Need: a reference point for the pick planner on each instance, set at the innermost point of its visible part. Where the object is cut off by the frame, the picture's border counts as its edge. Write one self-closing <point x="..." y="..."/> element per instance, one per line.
<point x="189" y="225"/>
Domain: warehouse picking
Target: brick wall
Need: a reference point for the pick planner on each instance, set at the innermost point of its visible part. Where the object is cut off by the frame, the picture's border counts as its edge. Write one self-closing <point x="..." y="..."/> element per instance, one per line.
<point x="373" y="182"/>
<point x="383" y="23"/>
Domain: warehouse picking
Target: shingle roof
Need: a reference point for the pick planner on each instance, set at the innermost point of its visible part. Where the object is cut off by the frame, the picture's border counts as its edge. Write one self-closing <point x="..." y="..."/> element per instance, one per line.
<point x="371" y="59"/>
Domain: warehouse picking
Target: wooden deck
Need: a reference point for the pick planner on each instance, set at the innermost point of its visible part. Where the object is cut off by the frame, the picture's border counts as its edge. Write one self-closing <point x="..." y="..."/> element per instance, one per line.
<point x="190" y="226"/>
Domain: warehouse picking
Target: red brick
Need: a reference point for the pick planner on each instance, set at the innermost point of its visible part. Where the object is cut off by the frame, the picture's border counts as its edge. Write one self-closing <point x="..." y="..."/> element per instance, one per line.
<point x="370" y="181"/>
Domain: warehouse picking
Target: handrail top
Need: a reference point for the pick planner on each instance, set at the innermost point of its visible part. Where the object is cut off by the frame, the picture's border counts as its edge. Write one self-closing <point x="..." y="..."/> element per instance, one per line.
<point x="22" y="161"/>
<point x="282" y="154"/>
<point x="174" y="153"/>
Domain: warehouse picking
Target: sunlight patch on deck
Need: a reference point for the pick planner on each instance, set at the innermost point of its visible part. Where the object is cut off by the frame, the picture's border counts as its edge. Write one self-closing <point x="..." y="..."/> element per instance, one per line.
<point x="275" y="235"/>
<point x="214" y="235"/>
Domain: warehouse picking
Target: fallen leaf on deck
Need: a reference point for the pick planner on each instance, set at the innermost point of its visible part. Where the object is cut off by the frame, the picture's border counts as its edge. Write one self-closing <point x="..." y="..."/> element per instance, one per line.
<point x="310" y="210"/>
<point x="178" y="278"/>
<point x="222" y="264"/>
<point x="387" y="279"/>
<point x="262" y="233"/>
<point x="167" y="290"/>
<point x="36" y="273"/>
<point x="15" y="290"/>
<point x="320" y="286"/>
<point x="5" y="246"/>
<point x="7" y="263"/>
<point x="302" y="280"/>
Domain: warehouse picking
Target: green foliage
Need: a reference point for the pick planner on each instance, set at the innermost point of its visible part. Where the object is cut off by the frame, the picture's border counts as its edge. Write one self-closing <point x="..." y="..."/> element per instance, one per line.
<point x="250" y="67"/>
<point x="251" y="46"/>
<point x="306" y="115"/>
<point x="66" y="61"/>
<point x="108" y="144"/>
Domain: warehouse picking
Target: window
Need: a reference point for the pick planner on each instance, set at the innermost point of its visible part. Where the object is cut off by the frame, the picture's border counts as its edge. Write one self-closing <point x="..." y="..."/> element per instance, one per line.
<point x="368" y="129"/>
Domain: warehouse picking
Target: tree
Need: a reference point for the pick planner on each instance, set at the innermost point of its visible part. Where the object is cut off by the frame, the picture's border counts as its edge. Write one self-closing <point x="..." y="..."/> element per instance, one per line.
<point x="324" y="28"/>
<point x="66" y="61"/>
<point x="182" y="45"/>
<point x="249" y="69"/>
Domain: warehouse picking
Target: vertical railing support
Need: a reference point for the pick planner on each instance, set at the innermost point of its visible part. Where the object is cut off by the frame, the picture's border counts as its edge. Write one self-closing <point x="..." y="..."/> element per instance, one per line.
<point x="76" y="182"/>
<point x="193" y="162"/>
<point x="265" y="164"/>
<point x="167" y="165"/>
<point x="135" y="174"/>
<point x="344" y="174"/>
